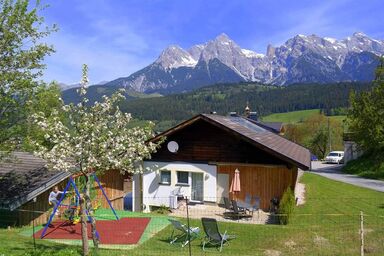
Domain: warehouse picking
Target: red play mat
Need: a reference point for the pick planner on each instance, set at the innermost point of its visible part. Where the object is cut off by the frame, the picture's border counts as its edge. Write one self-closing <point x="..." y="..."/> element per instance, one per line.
<point x="122" y="231"/>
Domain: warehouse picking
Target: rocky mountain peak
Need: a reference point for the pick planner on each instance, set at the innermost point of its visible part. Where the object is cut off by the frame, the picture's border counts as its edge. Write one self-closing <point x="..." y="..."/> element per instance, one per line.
<point x="302" y="58"/>
<point x="174" y="56"/>
<point x="196" y="50"/>
<point x="271" y="51"/>
<point x="223" y="38"/>
<point x="359" y="35"/>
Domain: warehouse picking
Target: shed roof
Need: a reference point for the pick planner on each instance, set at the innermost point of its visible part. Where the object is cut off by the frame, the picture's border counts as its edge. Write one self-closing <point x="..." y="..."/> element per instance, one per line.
<point x="255" y="134"/>
<point x="24" y="177"/>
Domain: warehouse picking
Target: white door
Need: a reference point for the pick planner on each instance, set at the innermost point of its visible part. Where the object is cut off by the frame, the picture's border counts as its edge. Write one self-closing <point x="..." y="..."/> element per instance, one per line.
<point x="197" y="189"/>
<point x="222" y="187"/>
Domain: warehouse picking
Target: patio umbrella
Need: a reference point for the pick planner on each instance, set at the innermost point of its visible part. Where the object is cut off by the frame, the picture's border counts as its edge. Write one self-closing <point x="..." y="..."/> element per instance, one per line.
<point x="235" y="185"/>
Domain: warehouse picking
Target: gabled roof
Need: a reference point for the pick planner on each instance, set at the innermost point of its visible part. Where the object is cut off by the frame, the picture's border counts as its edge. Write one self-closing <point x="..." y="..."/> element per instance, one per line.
<point x="24" y="177"/>
<point x="255" y="134"/>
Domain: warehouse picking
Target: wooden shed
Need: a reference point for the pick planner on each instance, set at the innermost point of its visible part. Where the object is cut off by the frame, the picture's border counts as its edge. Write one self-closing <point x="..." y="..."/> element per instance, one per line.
<point x="25" y="178"/>
<point x="216" y="146"/>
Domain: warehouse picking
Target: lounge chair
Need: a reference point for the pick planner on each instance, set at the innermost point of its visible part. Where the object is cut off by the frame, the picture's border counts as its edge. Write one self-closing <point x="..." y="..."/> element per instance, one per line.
<point x="246" y="205"/>
<point x="182" y="233"/>
<point x="227" y="205"/>
<point x="239" y="212"/>
<point x="212" y="235"/>
<point x="248" y="199"/>
<point x="255" y="206"/>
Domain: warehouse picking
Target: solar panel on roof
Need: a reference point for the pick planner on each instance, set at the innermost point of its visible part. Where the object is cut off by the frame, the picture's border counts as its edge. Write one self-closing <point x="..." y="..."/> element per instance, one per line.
<point x="247" y="124"/>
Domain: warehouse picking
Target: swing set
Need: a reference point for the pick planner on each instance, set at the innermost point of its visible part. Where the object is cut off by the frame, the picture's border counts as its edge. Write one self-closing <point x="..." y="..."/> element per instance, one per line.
<point x="73" y="208"/>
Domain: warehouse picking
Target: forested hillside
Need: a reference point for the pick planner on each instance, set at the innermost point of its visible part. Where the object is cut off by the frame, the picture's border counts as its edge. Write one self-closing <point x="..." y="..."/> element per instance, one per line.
<point x="224" y="98"/>
<point x="96" y="93"/>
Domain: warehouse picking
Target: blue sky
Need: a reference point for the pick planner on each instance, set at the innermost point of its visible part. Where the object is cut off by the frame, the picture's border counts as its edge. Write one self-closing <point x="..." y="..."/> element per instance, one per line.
<point x="118" y="37"/>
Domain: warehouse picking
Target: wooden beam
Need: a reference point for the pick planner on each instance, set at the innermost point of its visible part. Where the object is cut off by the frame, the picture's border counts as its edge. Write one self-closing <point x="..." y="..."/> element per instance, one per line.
<point x="249" y="164"/>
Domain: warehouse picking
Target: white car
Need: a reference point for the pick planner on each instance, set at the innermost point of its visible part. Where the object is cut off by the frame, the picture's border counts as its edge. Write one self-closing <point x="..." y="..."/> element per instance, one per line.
<point x="335" y="157"/>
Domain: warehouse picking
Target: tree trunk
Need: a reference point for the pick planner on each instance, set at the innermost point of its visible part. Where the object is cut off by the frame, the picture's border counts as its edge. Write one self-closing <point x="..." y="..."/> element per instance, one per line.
<point x="83" y="220"/>
<point x="95" y="238"/>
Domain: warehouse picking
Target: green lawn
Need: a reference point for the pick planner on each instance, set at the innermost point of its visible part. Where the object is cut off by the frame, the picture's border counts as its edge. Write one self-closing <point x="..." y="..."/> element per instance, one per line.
<point x="328" y="224"/>
<point x="296" y="116"/>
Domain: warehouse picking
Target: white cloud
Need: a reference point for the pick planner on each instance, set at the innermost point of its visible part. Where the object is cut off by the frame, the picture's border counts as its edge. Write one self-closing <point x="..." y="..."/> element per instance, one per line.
<point x="314" y="18"/>
<point x="111" y="46"/>
<point x="105" y="61"/>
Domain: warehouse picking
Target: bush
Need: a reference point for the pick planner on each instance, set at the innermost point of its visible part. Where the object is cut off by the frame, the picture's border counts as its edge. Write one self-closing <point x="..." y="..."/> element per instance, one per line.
<point x="369" y="165"/>
<point x="286" y="207"/>
<point x="162" y="209"/>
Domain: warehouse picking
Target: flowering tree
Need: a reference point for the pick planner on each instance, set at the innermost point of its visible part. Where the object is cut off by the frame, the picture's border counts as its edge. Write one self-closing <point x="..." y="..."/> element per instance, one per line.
<point x="22" y="54"/>
<point x="95" y="138"/>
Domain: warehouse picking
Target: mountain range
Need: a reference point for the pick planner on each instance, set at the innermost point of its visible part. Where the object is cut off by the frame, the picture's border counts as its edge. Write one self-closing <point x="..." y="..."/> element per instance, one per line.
<point x="301" y="59"/>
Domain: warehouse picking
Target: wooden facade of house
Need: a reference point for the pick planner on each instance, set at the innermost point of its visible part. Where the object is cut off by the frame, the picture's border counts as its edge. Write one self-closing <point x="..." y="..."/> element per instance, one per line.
<point x="205" y="143"/>
<point x="264" y="181"/>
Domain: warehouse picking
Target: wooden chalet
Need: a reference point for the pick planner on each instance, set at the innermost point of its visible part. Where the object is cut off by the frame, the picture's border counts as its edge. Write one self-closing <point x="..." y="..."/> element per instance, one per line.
<point x="199" y="157"/>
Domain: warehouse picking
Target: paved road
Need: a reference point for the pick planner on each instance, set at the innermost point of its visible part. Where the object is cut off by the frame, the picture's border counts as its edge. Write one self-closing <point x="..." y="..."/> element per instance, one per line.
<point x="332" y="171"/>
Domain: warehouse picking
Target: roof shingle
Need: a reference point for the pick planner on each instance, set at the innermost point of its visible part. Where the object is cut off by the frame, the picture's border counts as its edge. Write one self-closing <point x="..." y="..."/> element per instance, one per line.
<point x="23" y="178"/>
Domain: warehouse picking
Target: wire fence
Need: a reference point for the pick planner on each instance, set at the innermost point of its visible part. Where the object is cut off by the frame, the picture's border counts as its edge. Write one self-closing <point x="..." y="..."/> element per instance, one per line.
<point x="340" y="226"/>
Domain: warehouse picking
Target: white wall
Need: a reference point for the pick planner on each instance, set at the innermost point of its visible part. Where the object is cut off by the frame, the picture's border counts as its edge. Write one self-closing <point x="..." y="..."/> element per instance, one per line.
<point x="155" y="194"/>
<point x="351" y="151"/>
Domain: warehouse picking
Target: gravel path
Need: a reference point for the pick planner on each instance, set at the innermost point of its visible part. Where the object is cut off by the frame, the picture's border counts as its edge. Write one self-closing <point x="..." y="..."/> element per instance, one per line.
<point x="333" y="171"/>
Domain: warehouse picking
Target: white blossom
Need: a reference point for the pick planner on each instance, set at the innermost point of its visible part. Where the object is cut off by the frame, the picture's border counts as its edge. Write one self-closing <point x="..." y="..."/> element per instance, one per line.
<point x="95" y="137"/>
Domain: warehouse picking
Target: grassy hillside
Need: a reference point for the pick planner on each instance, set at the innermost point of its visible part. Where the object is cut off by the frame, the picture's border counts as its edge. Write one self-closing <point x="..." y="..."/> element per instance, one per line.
<point x="290" y="117"/>
<point x="296" y="116"/>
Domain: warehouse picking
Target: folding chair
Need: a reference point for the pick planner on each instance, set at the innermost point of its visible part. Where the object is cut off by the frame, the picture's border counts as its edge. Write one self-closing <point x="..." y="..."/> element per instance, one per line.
<point x="212" y="235"/>
<point x="181" y="233"/>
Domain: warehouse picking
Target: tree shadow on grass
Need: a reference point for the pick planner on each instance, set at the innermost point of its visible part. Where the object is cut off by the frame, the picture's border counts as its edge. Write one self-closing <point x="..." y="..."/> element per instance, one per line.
<point x="46" y="249"/>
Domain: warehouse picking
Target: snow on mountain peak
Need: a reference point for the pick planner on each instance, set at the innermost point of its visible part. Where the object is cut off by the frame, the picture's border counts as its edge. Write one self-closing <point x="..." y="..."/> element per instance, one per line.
<point x="174" y="56"/>
<point x="252" y="54"/>
<point x="359" y="34"/>
<point x="222" y="60"/>
<point x="330" y="39"/>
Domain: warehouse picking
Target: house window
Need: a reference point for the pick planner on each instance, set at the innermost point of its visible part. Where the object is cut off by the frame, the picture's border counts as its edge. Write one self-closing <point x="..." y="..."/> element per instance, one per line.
<point x="182" y="177"/>
<point x="165" y="177"/>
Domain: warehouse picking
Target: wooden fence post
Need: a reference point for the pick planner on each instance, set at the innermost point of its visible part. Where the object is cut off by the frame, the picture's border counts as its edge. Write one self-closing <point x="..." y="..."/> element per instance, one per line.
<point x="361" y="233"/>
